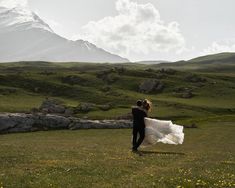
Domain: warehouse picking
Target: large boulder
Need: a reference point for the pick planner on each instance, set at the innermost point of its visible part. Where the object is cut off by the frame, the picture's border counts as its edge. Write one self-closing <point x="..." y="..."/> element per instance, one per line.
<point x="184" y="92"/>
<point x="48" y="122"/>
<point x="85" y="107"/>
<point x="10" y="123"/>
<point x="150" y="86"/>
<point x="16" y="123"/>
<point x="6" y="122"/>
<point x="52" y="106"/>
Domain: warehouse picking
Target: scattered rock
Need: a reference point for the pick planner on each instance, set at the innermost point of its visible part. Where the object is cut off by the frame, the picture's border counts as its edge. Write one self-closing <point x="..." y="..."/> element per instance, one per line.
<point x="151" y="86"/>
<point x="120" y="70"/>
<point x="182" y="89"/>
<point x="105" y="107"/>
<point x="85" y="107"/>
<point x="109" y="76"/>
<point x="167" y="71"/>
<point x="184" y="92"/>
<point x="73" y="80"/>
<point x="194" y="78"/>
<point x="52" y="106"/>
<point x="69" y="112"/>
<point x="187" y="95"/>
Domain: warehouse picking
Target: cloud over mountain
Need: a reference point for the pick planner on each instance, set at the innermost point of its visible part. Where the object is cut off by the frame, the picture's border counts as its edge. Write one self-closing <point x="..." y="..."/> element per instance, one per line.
<point x="13" y="3"/>
<point x="137" y="29"/>
<point x="221" y="46"/>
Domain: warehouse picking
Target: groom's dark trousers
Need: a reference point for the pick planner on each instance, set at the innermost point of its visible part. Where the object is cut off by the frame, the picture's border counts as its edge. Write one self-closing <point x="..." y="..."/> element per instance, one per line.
<point x="138" y="127"/>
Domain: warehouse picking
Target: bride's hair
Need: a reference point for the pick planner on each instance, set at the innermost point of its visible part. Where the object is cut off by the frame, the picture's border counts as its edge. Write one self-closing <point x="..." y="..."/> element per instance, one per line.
<point x="147" y="105"/>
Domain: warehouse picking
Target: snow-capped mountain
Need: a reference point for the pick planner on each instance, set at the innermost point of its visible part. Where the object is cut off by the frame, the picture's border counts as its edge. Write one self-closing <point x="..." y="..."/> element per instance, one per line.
<point x="24" y="36"/>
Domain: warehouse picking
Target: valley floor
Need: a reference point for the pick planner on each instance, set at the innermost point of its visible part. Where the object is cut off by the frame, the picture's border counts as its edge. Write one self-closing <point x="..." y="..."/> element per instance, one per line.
<point x="102" y="158"/>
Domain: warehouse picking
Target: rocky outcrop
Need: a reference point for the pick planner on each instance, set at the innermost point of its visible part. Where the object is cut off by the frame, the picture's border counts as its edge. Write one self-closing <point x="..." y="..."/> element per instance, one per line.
<point x="168" y="71"/>
<point x="52" y="106"/>
<point x="149" y="86"/>
<point x="184" y="92"/>
<point x="194" y="78"/>
<point x="74" y="80"/>
<point x="12" y="123"/>
<point x="187" y="95"/>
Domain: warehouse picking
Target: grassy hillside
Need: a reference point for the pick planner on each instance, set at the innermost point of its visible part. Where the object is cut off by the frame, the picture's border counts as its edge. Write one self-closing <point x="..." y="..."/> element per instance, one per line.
<point x="25" y="85"/>
<point x="221" y="57"/>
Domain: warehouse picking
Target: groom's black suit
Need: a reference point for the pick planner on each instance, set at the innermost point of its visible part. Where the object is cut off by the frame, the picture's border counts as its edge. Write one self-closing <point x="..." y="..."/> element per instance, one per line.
<point x="138" y="126"/>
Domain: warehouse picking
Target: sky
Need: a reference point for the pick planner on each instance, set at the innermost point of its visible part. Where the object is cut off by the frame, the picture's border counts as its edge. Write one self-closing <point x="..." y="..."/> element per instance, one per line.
<point x="142" y="29"/>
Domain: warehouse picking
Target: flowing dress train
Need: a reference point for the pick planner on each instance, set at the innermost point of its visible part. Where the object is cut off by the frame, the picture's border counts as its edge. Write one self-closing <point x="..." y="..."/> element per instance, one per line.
<point x="162" y="131"/>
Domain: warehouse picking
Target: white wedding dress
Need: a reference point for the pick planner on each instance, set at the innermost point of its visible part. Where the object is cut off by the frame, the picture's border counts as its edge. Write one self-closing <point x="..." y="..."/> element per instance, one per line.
<point x="162" y="131"/>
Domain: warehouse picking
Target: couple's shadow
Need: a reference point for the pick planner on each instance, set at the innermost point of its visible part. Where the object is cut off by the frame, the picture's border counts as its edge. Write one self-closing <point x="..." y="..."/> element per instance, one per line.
<point x="161" y="153"/>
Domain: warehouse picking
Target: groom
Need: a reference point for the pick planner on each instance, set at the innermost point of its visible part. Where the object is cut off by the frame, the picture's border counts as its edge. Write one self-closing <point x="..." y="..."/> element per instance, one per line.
<point x="138" y="125"/>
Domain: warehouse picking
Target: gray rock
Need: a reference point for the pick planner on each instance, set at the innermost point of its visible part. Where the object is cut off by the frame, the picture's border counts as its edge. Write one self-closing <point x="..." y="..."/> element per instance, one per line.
<point x="6" y="122"/>
<point x="52" y="106"/>
<point x="168" y="71"/>
<point x="151" y="86"/>
<point x="85" y="107"/>
<point x="69" y="112"/>
<point x="187" y="95"/>
<point x="194" y="78"/>
<point x="12" y="123"/>
<point x="47" y="122"/>
<point x="105" y="107"/>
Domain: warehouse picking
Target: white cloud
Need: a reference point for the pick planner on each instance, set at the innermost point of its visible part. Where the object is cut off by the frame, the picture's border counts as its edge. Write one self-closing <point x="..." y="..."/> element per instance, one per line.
<point x="137" y="29"/>
<point x="13" y="3"/>
<point x="221" y="46"/>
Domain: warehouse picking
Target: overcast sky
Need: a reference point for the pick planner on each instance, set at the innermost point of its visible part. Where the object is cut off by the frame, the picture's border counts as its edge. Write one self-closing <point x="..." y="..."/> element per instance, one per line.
<point x="144" y="29"/>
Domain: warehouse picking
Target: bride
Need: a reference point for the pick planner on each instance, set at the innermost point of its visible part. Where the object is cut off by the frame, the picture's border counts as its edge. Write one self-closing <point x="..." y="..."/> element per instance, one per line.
<point x="160" y="131"/>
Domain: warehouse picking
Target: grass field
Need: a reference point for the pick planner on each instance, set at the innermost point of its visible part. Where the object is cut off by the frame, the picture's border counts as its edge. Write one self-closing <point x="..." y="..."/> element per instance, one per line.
<point x="102" y="158"/>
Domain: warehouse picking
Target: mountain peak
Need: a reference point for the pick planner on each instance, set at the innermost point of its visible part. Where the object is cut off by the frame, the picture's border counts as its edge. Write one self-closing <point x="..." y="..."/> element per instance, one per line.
<point x="18" y="18"/>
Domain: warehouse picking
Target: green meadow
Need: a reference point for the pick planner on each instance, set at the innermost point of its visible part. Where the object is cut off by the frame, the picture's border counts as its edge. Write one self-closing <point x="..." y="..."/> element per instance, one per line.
<point x="91" y="158"/>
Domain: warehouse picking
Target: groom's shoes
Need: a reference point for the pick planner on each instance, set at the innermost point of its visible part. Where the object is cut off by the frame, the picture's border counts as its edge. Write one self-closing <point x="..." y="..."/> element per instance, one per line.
<point x="134" y="150"/>
<point x="137" y="152"/>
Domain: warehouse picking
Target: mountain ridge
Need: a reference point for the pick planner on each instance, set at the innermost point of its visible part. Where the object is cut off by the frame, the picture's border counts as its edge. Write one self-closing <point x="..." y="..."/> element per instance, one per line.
<point x="26" y="37"/>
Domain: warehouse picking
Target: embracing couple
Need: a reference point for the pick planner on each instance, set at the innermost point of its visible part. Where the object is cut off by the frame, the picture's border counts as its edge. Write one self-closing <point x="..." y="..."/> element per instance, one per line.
<point x="148" y="131"/>
<point x="139" y="112"/>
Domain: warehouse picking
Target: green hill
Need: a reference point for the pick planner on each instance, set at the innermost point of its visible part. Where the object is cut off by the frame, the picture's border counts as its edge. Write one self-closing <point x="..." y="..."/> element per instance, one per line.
<point x="190" y="89"/>
<point x="223" y="62"/>
<point x="221" y="57"/>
